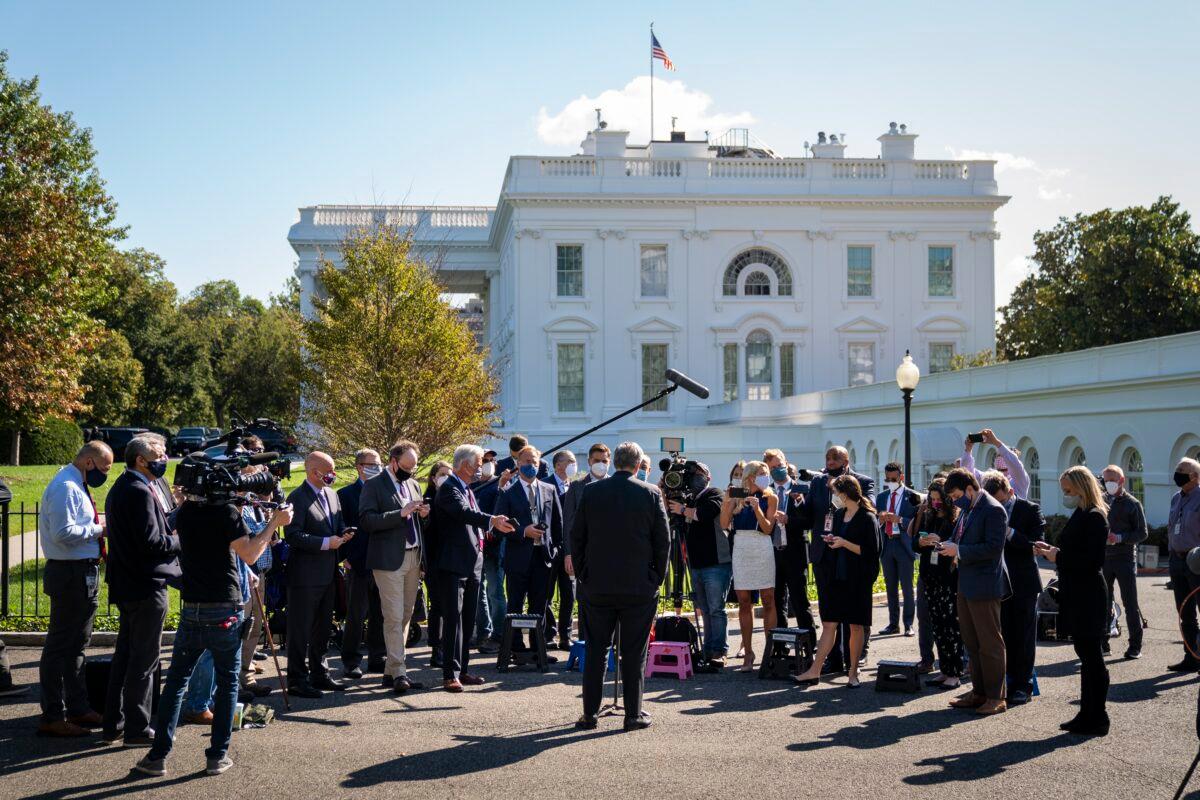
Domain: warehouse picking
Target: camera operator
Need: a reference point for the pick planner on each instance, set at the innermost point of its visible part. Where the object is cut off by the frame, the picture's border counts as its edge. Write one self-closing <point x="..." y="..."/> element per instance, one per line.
<point x="710" y="563"/>
<point x="212" y="536"/>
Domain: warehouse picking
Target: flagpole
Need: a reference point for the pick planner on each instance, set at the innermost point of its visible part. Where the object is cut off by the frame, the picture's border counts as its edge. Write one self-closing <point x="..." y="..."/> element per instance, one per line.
<point x="651" y="82"/>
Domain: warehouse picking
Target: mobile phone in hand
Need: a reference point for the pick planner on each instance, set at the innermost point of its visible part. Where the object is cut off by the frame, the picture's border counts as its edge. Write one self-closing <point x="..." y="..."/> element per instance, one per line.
<point x="974" y="438"/>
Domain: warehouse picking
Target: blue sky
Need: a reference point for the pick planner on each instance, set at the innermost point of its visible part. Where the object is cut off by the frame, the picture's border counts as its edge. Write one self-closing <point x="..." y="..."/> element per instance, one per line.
<point x="215" y="121"/>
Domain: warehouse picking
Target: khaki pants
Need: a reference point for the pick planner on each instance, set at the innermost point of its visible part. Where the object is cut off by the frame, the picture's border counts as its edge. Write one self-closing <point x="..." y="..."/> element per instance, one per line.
<point x="398" y="595"/>
<point x="250" y="643"/>
<point x="979" y="621"/>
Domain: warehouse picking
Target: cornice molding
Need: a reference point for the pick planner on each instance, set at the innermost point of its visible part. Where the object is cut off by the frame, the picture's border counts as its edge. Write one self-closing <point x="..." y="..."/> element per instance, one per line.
<point x="897" y="235"/>
<point x="605" y="233"/>
<point x="532" y="233"/>
<point x="696" y="234"/>
<point x="985" y="201"/>
<point x="993" y="235"/>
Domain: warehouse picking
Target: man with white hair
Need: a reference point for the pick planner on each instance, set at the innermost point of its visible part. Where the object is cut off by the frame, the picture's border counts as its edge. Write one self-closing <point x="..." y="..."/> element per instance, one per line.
<point x="620" y="538"/>
<point x="1183" y="533"/>
<point x="1126" y="530"/>
<point x="460" y="527"/>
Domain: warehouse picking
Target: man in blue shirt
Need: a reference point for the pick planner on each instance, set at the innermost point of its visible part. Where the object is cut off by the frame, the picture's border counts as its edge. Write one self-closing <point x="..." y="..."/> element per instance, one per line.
<point x="70" y="530"/>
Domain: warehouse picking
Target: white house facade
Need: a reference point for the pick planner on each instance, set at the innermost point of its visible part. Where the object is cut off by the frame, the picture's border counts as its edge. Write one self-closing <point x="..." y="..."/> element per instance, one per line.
<point x="786" y="285"/>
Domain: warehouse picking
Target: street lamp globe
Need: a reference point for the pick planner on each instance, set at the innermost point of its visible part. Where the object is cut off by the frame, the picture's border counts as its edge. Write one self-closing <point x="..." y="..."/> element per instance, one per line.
<point x="908" y="373"/>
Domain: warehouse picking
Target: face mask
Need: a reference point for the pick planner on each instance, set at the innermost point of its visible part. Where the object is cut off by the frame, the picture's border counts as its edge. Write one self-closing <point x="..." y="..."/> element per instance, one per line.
<point x="1182" y="479"/>
<point x="1111" y="487"/>
<point x="937" y="504"/>
<point x="641" y="475"/>
<point x="402" y="474"/>
<point x="892" y="486"/>
<point x="963" y="502"/>
<point x="571" y="469"/>
<point x="95" y="478"/>
<point x="599" y="469"/>
<point x="762" y="481"/>
<point x="487" y="470"/>
<point x="838" y="501"/>
<point x="439" y="480"/>
<point x="699" y="483"/>
<point x="835" y="472"/>
<point x="158" y="468"/>
<point x="371" y="470"/>
<point x="1070" y="501"/>
<point x="779" y="474"/>
<point x="328" y="478"/>
<point x="528" y="471"/>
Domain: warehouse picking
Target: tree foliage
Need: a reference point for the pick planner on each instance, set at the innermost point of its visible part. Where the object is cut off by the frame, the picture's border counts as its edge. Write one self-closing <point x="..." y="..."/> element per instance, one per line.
<point x="1104" y="278"/>
<point x="387" y="357"/>
<point x="56" y="222"/>
<point x="112" y="378"/>
<point x="983" y="358"/>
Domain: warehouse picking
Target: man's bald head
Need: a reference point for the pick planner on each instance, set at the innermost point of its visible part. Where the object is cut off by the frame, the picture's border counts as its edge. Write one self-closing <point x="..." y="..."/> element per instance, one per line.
<point x="316" y="466"/>
<point x="836" y="457"/>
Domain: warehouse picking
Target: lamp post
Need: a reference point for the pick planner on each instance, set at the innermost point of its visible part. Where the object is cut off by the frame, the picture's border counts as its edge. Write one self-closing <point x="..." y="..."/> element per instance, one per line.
<point x="907" y="377"/>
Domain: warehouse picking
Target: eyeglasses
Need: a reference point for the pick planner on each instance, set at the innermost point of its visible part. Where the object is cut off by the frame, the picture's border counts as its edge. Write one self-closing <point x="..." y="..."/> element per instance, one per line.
<point x="257" y="449"/>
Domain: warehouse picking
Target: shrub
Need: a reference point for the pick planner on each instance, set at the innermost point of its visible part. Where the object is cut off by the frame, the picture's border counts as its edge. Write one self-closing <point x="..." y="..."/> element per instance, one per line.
<point x="55" y="441"/>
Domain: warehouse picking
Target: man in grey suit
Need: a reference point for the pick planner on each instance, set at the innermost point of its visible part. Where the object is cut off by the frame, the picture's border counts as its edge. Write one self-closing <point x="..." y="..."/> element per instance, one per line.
<point x="978" y="547"/>
<point x="315" y="534"/>
<point x="391" y="510"/>
<point x="620" y="539"/>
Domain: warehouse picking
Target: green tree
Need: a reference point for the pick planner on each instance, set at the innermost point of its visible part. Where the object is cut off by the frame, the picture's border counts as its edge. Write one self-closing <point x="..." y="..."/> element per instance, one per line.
<point x="1104" y="278"/>
<point x="387" y="357"/>
<point x="113" y="379"/>
<point x="983" y="358"/>
<point x="56" y="222"/>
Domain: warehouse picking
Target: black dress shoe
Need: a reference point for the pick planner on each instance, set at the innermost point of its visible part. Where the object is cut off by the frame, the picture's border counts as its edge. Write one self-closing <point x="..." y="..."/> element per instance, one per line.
<point x="142" y="740"/>
<point x="354" y="673"/>
<point x="1018" y="698"/>
<point x="305" y="690"/>
<point x="1133" y="653"/>
<point x="259" y="655"/>
<point x="328" y="684"/>
<point x="1106" y="648"/>
<point x="890" y="630"/>
<point x="402" y="685"/>
<point x="1085" y="726"/>
<point x="1187" y="665"/>
<point x="638" y="723"/>
<point x="388" y="682"/>
<point x="586" y="723"/>
<point x="488" y="649"/>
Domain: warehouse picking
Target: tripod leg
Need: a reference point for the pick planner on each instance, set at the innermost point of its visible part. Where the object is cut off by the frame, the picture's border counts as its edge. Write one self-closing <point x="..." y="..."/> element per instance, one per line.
<point x="271" y="645"/>
<point x="1187" y="777"/>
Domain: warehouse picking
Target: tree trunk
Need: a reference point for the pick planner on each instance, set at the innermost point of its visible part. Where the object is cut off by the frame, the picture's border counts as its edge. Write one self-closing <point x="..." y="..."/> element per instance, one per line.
<point x="14" y="452"/>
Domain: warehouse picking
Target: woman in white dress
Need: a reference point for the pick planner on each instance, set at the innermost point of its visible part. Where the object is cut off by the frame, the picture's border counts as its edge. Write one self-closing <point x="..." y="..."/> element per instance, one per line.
<point x="751" y="518"/>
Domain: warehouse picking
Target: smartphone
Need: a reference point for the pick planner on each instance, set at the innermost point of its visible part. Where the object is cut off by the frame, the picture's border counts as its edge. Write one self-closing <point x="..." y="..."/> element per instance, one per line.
<point x="348" y="533"/>
<point x="541" y="526"/>
<point x="737" y="492"/>
<point x="974" y="438"/>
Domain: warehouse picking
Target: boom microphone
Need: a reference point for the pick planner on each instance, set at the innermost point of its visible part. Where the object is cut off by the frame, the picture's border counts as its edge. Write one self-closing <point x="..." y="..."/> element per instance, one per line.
<point x="679" y="379"/>
<point x="263" y="458"/>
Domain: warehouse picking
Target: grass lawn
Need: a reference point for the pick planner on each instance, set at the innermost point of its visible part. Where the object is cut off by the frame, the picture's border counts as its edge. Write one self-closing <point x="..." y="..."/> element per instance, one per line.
<point x="25" y="597"/>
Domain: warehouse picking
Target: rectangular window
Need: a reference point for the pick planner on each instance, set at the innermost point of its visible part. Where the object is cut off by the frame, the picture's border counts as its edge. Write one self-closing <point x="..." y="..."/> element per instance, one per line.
<point x="787" y="370"/>
<point x="941" y="354"/>
<point x="654" y="270"/>
<point x="654" y="364"/>
<point x="570" y="378"/>
<point x="569" y="270"/>
<point x="729" y="353"/>
<point x="860" y="271"/>
<point x="862" y="363"/>
<point x="941" y="272"/>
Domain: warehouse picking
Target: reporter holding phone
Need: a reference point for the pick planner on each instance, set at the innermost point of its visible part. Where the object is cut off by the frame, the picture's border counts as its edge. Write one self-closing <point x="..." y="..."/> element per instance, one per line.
<point x="1083" y="604"/>
<point x="751" y="517"/>
<point x="933" y="524"/>
<point x="853" y="545"/>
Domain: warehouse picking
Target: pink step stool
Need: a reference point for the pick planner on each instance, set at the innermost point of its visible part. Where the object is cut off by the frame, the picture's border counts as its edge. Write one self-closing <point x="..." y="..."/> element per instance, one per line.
<point x="670" y="658"/>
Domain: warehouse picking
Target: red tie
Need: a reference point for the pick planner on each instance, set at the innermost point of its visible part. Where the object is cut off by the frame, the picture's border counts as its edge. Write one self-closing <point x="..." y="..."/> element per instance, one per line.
<point x="892" y="509"/>
<point x="96" y="520"/>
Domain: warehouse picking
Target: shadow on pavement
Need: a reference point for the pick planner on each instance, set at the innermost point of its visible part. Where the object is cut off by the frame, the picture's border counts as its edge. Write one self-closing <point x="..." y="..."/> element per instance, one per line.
<point x="977" y="765"/>
<point x="885" y="731"/>
<point x="133" y="782"/>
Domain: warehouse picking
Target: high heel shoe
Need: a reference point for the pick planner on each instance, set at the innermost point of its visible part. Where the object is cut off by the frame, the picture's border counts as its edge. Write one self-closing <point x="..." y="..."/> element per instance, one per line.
<point x="747" y="662"/>
<point x="806" y="681"/>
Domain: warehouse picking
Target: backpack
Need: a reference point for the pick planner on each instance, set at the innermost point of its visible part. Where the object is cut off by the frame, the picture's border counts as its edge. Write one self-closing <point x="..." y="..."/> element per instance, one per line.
<point x="671" y="628"/>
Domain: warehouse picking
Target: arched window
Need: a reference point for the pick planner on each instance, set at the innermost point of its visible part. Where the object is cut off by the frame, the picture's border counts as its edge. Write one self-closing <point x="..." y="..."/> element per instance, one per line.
<point x="758" y="257"/>
<point x="759" y="367"/>
<point x="1032" y="465"/>
<point x="1193" y="453"/>
<point x="1078" y="457"/>
<point x="757" y="284"/>
<point x="1131" y="464"/>
<point x="873" y="465"/>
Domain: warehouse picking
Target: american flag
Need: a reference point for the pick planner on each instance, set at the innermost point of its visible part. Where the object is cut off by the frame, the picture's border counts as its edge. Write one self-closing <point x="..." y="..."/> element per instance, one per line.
<point x="656" y="51"/>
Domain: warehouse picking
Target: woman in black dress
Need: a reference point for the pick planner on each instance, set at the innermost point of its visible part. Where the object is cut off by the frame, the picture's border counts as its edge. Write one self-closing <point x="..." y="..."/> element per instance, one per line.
<point x="934" y="523"/>
<point x="854" y="543"/>
<point x="1083" y="604"/>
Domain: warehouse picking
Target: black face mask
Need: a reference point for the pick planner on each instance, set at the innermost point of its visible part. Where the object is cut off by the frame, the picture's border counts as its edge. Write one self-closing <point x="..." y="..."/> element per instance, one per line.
<point x="835" y="472"/>
<point x="95" y="477"/>
<point x="1182" y="479"/>
<point x="402" y="474"/>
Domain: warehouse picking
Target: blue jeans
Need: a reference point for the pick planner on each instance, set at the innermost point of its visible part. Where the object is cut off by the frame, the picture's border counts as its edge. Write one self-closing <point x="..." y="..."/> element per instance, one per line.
<point x="710" y="588"/>
<point x="489" y="619"/>
<point x="199" y="697"/>
<point x="202" y="629"/>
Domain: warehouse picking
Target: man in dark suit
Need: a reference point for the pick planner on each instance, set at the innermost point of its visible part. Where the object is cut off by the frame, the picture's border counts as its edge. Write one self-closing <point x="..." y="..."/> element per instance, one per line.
<point x="978" y="546"/>
<point x="817" y="516"/>
<point x="143" y="554"/>
<point x="1018" y="612"/>
<point x="460" y="527"/>
<point x="620" y="542"/>
<point x="897" y="505"/>
<point x="516" y="444"/>
<point x="315" y="533"/>
<point x="531" y="548"/>
<point x="489" y="617"/>
<point x="791" y="551"/>
<point x="391" y="511"/>
<point x="363" y="609"/>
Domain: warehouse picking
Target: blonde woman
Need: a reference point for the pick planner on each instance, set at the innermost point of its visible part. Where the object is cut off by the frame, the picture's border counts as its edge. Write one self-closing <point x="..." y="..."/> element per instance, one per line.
<point x="1082" y="594"/>
<point x="751" y="518"/>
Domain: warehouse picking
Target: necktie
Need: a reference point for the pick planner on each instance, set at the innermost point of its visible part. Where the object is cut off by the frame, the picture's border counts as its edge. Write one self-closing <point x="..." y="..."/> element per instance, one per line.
<point x="324" y="505"/>
<point x="892" y="510"/>
<point x="533" y="507"/>
<point x="96" y="520"/>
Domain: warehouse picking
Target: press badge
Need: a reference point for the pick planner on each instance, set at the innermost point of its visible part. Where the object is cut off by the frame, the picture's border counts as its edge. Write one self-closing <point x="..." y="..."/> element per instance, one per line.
<point x="933" y="557"/>
<point x="829" y="523"/>
<point x="92" y="579"/>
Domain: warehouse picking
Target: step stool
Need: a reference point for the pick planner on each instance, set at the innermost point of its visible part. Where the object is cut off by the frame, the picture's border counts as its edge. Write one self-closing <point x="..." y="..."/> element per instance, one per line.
<point x="788" y="652"/>
<point x="898" y="676"/>
<point x="670" y="658"/>
<point x="1036" y="689"/>
<point x="522" y="622"/>
<point x="578" y="657"/>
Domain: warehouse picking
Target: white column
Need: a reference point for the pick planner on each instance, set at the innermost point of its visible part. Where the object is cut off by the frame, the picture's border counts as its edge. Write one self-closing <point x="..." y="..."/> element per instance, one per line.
<point x="741" y="370"/>
<point x="776" y="370"/>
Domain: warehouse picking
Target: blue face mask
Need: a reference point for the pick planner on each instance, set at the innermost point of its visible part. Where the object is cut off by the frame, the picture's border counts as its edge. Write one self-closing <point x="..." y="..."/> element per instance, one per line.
<point x="158" y="468"/>
<point x="642" y="475"/>
<point x="779" y="474"/>
<point x="963" y="502"/>
<point x="529" y="471"/>
<point x="95" y="478"/>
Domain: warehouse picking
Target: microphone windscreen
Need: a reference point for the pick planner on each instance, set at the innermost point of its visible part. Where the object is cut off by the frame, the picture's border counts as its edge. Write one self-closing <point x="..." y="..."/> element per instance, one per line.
<point x="264" y="458"/>
<point x="683" y="381"/>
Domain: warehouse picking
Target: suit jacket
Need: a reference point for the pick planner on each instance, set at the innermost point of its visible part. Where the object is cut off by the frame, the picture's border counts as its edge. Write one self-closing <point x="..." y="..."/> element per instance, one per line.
<point x="1083" y="604"/>
<point x="620" y="538"/>
<point x="308" y="564"/>
<point x="164" y="486"/>
<point x="570" y="506"/>
<point x="818" y="505"/>
<point x="520" y="553"/>
<point x="460" y="529"/>
<point x="486" y="493"/>
<point x="379" y="515"/>
<point x="1028" y="526"/>
<point x="982" y="574"/>
<point x="353" y="552"/>
<point x="906" y="509"/>
<point x="142" y="551"/>
<point x="795" y="552"/>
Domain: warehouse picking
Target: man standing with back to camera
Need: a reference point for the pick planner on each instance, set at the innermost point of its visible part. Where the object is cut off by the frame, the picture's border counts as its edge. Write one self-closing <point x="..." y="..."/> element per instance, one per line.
<point x="620" y="549"/>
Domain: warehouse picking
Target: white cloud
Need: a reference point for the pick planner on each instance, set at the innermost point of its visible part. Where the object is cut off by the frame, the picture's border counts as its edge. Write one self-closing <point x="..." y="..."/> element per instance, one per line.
<point x="1049" y="193"/>
<point x="1020" y="166"/>
<point x="629" y="109"/>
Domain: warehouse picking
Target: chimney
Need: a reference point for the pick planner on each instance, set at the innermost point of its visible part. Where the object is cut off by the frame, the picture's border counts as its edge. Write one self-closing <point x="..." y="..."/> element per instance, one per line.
<point x="898" y="144"/>
<point x="678" y="136"/>
<point x="605" y="143"/>
<point x="828" y="147"/>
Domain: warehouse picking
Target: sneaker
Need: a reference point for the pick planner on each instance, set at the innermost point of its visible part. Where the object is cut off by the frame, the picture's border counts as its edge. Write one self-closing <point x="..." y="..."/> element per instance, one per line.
<point x="156" y="767"/>
<point x="1133" y="653"/>
<point x="215" y="766"/>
